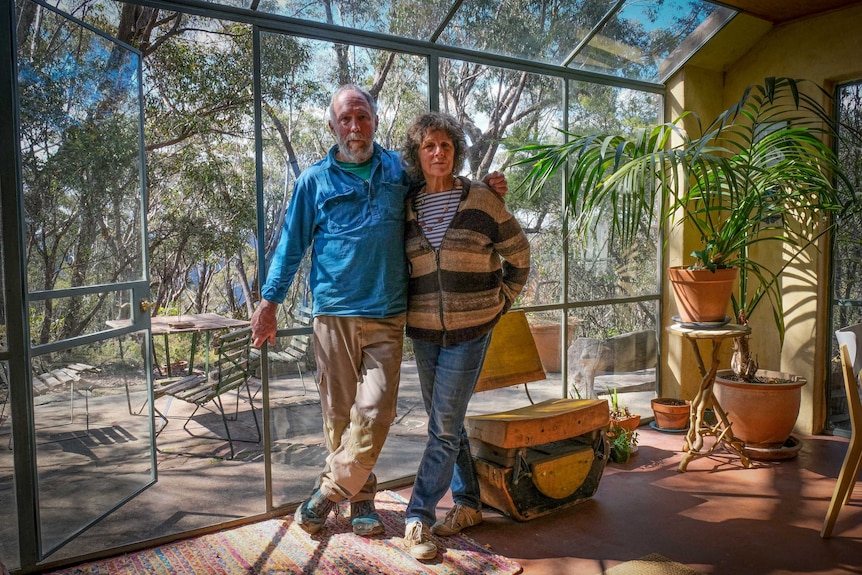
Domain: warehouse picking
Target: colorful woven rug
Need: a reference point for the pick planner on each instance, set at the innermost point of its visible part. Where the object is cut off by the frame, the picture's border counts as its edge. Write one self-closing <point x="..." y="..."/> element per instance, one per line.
<point x="277" y="547"/>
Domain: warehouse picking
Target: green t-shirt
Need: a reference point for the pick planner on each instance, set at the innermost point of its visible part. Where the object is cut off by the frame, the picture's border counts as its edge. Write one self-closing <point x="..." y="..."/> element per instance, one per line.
<point x="362" y="170"/>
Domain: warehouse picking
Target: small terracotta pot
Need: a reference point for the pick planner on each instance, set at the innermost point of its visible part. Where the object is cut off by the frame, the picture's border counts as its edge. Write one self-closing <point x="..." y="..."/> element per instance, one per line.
<point x="671" y="413"/>
<point x="629" y="423"/>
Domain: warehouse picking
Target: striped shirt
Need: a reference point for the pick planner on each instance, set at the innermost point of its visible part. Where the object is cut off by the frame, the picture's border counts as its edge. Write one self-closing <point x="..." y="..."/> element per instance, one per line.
<point x="435" y="212"/>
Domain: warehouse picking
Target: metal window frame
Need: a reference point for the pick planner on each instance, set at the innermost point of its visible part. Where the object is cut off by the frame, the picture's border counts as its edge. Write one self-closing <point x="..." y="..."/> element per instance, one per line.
<point x="16" y="354"/>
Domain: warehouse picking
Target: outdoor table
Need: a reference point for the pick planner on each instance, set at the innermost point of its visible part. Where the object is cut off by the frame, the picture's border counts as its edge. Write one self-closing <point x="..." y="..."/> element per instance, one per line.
<point x="698" y="427"/>
<point x="195" y="324"/>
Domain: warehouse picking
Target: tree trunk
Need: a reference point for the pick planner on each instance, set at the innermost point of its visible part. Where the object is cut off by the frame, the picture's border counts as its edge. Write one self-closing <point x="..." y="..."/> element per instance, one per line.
<point x="742" y="363"/>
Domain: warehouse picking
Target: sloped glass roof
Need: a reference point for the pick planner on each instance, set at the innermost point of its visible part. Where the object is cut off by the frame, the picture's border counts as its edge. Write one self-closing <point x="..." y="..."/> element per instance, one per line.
<point x="631" y="39"/>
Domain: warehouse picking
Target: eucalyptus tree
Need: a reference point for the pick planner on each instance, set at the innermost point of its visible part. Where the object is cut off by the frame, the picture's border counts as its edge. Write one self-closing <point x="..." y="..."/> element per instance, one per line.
<point x="847" y="262"/>
<point x="79" y="167"/>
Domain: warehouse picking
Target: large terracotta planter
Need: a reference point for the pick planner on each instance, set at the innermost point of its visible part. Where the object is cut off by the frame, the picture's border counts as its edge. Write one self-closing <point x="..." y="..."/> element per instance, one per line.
<point x="671" y="413"/>
<point x="761" y="414"/>
<point x="702" y="296"/>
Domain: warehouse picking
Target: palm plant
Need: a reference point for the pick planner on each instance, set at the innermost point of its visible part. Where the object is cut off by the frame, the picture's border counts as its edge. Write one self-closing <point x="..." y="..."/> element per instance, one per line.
<point x="762" y="172"/>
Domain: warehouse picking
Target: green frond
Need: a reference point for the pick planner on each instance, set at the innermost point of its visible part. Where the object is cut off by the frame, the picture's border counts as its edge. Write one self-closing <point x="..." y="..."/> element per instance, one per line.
<point x="757" y="172"/>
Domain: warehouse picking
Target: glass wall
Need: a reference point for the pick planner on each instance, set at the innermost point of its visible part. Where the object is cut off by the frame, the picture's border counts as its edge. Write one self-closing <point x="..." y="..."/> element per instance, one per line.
<point x="218" y="181"/>
<point x="8" y="505"/>
<point x="613" y="285"/>
<point x="846" y="256"/>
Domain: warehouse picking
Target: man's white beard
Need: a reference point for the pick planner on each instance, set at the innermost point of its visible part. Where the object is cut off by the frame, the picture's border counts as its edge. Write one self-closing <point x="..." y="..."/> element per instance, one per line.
<point x="359" y="155"/>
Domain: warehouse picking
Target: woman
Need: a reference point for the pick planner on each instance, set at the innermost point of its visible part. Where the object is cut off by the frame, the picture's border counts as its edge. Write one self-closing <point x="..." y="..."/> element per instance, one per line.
<point x="469" y="260"/>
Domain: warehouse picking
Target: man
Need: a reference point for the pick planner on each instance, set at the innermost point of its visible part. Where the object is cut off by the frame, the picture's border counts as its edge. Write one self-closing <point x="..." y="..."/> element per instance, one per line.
<point x="349" y="209"/>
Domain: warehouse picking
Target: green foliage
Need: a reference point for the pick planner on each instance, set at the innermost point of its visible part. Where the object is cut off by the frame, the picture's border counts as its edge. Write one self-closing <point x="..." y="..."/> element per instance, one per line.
<point x="759" y="173"/>
<point x="622" y="443"/>
<point x="617" y="409"/>
<point x="199" y="129"/>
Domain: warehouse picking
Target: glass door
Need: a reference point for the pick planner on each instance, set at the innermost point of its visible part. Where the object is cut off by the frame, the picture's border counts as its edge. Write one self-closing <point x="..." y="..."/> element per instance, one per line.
<point x="846" y="254"/>
<point x="84" y="247"/>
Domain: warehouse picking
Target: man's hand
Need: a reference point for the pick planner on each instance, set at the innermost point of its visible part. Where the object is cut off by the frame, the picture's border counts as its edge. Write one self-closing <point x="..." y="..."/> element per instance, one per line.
<point x="263" y="324"/>
<point x="497" y="182"/>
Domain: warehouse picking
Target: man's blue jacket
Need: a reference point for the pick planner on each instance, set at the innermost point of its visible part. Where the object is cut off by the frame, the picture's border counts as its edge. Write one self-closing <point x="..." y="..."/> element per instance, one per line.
<point x="355" y="229"/>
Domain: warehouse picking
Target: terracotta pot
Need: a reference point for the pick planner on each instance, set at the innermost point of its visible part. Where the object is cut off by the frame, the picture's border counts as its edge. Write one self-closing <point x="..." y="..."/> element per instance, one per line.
<point x="762" y="414"/>
<point x="671" y="413"/>
<point x="548" y="340"/>
<point x="629" y="423"/>
<point x="702" y="296"/>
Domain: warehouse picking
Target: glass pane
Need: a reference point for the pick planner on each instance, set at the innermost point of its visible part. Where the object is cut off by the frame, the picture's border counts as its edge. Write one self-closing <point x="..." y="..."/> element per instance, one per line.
<point x="298" y="446"/>
<point x="92" y="429"/>
<point x="79" y="97"/>
<point x="8" y="508"/>
<point x="634" y="42"/>
<point x="3" y="343"/>
<point x="601" y="267"/>
<point x="295" y="130"/>
<point x="235" y="3"/>
<point x="58" y="319"/>
<point x="615" y="347"/>
<point x="847" y="251"/>
<point x="501" y="110"/>
<point x="416" y="19"/>
<point x="201" y="170"/>
<point x="545" y="328"/>
<point x="531" y="29"/>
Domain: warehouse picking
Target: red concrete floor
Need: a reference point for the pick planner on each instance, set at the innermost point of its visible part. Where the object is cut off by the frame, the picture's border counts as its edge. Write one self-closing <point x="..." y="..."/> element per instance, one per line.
<point x="717" y="518"/>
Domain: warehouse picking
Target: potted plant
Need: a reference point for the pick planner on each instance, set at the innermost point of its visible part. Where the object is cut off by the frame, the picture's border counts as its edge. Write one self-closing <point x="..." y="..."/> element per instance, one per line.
<point x="763" y="409"/>
<point x="620" y="416"/>
<point x="622" y="430"/>
<point x="762" y="173"/>
<point x="759" y="168"/>
<point x="671" y="413"/>
<point x="623" y="443"/>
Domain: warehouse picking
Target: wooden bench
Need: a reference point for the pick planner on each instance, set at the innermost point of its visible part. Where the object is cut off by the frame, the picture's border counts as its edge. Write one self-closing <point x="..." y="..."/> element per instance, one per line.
<point x="541" y="457"/>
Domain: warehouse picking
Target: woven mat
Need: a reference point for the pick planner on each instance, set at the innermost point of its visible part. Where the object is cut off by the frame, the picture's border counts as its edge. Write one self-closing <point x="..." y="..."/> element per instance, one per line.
<point x="278" y="547"/>
<point x="652" y="564"/>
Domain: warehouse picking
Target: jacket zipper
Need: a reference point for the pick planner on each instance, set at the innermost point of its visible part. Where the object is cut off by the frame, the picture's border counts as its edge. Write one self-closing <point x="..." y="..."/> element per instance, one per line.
<point x="440" y="290"/>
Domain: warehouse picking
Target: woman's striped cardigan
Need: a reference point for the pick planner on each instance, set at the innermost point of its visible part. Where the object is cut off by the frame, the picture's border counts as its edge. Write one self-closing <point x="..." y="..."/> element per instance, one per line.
<point x="459" y="292"/>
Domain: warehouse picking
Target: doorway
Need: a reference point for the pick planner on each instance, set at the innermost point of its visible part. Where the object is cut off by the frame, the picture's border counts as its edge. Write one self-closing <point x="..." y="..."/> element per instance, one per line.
<point x="846" y="254"/>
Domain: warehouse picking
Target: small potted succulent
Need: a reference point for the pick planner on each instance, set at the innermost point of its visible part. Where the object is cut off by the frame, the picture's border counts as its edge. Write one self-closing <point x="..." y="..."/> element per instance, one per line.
<point x="623" y="442"/>
<point x="622" y="430"/>
<point x="620" y="416"/>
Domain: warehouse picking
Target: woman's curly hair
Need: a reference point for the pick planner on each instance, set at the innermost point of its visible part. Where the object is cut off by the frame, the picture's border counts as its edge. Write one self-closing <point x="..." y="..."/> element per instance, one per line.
<point x="417" y="132"/>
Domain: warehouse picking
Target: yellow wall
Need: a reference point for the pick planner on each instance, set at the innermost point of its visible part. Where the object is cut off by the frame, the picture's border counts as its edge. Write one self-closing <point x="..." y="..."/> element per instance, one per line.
<point x="827" y="50"/>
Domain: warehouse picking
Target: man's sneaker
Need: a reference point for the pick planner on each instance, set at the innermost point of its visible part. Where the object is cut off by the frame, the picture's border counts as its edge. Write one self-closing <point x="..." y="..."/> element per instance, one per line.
<point x="311" y="515"/>
<point x="458" y="518"/>
<point x="417" y="540"/>
<point x="364" y="518"/>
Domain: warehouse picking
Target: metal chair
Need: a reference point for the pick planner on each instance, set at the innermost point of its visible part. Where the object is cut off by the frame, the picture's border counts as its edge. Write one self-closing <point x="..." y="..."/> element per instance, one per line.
<point x="850" y="362"/>
<point x="234" y="366"/>
<point x="298" y="349"/>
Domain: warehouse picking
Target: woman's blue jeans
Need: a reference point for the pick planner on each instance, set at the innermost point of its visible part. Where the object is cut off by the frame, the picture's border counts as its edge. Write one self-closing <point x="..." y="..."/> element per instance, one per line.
<point x="447" y="376"/>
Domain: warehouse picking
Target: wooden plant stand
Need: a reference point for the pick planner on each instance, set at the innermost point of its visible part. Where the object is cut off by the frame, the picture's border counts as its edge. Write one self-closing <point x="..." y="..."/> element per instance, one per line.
<point x="698" y="426"/>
